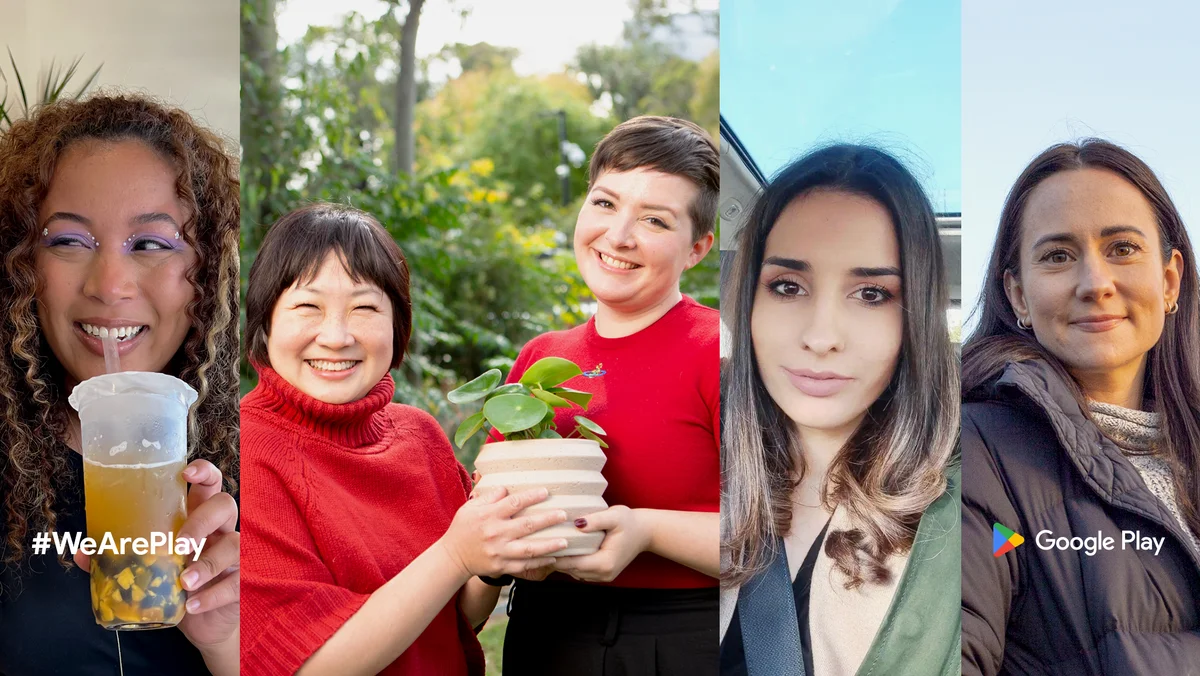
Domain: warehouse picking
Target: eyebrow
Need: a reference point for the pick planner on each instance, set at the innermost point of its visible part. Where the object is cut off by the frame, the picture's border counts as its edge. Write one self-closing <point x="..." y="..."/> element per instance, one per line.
<point x="653" y="207"/>
<point x="365" y="291"/>
<point x="152" y="217"/>
<point x="804" y="266"/>
<point x="1071" y="239"/>
<point x="66" y="216"/>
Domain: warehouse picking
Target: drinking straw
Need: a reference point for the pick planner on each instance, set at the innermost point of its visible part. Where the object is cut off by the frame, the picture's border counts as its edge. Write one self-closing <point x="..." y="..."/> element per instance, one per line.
<point x="112" y="362"/>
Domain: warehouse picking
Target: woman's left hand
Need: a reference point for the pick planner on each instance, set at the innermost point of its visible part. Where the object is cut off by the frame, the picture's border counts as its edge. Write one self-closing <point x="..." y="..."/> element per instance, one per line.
<point x="627" y="537"/>
<point x="212" y="581"/>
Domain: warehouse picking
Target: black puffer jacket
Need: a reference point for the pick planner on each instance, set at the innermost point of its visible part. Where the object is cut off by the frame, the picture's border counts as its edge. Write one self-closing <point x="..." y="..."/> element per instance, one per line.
<point x="1032" y="461"/>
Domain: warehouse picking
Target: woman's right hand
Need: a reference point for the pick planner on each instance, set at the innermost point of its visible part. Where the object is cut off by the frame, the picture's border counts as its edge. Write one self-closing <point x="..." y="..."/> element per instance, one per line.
<point x="483" y="536"/>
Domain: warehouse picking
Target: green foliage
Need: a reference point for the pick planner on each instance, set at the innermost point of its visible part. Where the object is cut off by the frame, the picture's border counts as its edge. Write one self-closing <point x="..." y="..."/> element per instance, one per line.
<point x="525" y="411"/>
<point x="53" y="89"/>
<point x="479" y="220"/>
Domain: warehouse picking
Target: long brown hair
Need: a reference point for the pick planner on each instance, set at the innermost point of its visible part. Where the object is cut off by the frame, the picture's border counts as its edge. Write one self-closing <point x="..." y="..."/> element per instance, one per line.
<point x="895" y="465"/>
<point x="33" y="410"/>
<point x="1173" y="364"/>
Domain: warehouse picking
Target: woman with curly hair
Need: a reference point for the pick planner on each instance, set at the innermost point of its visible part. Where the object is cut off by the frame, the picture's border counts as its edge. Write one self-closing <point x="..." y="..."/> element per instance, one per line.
<point x="115" y="212"/>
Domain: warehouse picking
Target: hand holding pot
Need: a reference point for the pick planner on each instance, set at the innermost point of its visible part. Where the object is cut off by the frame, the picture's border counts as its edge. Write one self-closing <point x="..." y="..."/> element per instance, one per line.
<point x="626" y="538"/>
<point x="482" y="538"/>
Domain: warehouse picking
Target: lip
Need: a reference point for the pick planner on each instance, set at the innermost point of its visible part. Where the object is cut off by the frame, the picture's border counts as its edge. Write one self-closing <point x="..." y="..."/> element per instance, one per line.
<point x="1098" y="323"/>
<point x="333" y="375"/>
<point x="817" y="383"/>
<point x="610" y="268"/>
<point x="96" y="346"/>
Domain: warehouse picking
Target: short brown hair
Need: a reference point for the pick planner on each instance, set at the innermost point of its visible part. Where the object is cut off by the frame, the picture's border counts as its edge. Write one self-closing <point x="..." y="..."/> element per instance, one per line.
<point x="294" y="249"/>
<point x="669" y="145"/>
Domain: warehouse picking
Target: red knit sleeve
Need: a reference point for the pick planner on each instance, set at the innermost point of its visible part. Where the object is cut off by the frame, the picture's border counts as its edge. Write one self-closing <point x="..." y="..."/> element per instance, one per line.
<point x="291" y="603"/>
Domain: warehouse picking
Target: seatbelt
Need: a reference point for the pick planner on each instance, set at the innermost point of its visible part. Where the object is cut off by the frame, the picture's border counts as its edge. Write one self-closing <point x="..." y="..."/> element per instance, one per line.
<point x="767" y="615"/>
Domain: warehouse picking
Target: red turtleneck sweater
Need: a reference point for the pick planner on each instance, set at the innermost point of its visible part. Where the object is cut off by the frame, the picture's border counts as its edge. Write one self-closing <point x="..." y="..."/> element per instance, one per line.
<point x="336" y="500"/>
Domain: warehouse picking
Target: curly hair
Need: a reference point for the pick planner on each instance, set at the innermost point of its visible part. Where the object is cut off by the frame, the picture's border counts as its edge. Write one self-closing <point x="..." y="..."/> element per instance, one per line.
<point x="33" y="407"/>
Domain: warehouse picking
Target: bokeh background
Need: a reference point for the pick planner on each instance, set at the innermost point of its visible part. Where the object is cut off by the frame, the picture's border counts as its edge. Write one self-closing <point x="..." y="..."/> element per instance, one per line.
<point x="1039" y="73"/>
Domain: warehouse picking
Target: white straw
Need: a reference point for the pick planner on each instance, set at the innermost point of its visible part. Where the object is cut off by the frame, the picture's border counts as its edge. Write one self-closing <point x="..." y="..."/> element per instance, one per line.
<point x="112" y="362"/>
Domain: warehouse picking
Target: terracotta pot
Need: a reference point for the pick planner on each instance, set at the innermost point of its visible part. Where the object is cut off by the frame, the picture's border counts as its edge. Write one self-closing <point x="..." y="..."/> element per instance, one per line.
<point x="568" y="468"/>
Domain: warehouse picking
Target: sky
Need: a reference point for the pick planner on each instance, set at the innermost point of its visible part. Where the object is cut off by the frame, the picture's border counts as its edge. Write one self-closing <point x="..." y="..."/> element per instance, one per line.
<point x="1037" y="73"/>
<point x="799" y="74"/>
<point x="548" y="32"/>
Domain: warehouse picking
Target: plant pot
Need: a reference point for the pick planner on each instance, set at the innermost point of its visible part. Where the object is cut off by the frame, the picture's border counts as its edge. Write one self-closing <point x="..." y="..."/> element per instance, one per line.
<point x="568" y="468"/>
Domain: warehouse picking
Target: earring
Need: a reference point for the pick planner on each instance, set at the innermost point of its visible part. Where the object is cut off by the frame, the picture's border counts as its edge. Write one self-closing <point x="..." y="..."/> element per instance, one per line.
<point x="1023" y="325"/>
<point x="1173" y="309"/>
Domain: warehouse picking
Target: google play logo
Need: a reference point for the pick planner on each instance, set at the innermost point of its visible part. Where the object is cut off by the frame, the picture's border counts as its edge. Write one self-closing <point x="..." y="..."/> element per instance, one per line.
<point x="1004" y="540"/>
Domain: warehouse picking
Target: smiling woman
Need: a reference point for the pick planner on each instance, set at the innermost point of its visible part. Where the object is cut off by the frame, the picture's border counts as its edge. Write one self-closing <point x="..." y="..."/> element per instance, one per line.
<point x="118" y="216"/>
<point x="1080" y="415"/>
<point x="362" y="546"/>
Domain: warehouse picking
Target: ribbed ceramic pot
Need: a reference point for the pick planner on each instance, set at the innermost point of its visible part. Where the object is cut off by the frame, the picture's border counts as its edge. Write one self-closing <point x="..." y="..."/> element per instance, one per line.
<point x="568" y="468"/>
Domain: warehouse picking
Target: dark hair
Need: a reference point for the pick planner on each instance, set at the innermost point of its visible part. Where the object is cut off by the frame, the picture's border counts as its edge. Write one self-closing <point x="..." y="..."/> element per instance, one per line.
<point x="669" y="145"/>
<point x="32" y="401"/>
<point x="1173" y="364"/>
<point x="294" y="249"/>
<point x="895" y="465"/>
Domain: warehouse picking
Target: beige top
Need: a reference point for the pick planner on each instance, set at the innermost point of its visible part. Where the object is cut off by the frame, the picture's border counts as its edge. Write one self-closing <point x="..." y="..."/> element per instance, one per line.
<point x="842" y="622"/>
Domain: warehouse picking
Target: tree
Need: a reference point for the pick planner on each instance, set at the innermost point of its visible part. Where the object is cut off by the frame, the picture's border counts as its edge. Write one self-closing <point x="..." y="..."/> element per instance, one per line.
<point x="406" y="90"/>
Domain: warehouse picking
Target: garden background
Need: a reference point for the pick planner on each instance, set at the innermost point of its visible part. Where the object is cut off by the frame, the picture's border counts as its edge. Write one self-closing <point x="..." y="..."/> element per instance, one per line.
<point x="457" y="153"/>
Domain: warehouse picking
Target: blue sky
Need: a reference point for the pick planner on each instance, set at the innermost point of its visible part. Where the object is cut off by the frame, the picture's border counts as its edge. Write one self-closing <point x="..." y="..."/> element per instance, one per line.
<point x="1036" y="73"/>
<point x="798" y="74"/>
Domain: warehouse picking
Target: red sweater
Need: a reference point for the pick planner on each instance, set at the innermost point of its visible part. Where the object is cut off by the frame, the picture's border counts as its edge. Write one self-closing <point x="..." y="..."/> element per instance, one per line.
<point x="336" y="500"/>
<point x="657" y="393"/>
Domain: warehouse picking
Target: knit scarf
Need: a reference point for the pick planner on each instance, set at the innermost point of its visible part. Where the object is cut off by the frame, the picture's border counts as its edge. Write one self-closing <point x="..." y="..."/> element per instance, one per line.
<point x="1138" y="435"/>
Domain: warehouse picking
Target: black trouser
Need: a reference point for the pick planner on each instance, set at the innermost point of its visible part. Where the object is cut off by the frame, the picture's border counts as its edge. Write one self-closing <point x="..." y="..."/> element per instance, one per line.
<point x="570" y="629"/>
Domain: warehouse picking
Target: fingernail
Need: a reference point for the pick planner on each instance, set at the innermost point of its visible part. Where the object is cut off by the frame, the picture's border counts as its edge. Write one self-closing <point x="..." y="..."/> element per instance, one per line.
<point x="189" y="580"/>
<point x="190" y="471"/>
<point x="562" y="516"/>
<point x="580" y="523"/>
<point x="193" y="605"/>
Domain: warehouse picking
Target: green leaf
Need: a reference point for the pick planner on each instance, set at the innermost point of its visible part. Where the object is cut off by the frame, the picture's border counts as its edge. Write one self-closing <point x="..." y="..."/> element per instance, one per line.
<point x="468" y="428"/>
<point x="476" y="389"/>
<point x="550" y="372"/>
<point x="553" y="400"/>
<point x="583" y="431"/>
<point x="590" y="426"/>
<point x="581" y="398"/>
<point x="511" y="388"/>
<point x="549" y="434"/>
<point x="514" y="412"/>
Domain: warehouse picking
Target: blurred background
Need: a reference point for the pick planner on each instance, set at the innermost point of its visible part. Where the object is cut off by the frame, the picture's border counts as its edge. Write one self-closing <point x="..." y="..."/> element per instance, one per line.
<point x="801" y="75"/>
<point x="1038" y="73"/>
<point x="465" y="128"/>
<point x="127" y="45"/>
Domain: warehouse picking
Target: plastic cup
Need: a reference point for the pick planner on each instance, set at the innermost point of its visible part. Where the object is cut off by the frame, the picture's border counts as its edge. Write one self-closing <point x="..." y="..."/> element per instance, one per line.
<point x="134" y="430"/>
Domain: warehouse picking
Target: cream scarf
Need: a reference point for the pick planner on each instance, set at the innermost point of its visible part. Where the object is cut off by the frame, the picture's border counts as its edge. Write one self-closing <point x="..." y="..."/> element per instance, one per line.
<point x="1138" y="435"/>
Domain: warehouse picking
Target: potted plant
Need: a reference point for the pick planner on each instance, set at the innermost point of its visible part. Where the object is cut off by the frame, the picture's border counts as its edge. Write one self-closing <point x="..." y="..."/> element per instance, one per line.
<point x="534" y="454"/>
